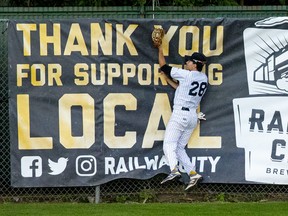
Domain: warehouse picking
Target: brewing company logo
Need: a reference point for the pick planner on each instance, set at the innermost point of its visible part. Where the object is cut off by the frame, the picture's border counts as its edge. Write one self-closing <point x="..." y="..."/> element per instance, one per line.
<point x="261" y="118"/>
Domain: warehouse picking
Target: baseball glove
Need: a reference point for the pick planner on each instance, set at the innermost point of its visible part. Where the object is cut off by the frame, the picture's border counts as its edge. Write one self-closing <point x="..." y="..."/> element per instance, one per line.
<point x="157" y="36"/>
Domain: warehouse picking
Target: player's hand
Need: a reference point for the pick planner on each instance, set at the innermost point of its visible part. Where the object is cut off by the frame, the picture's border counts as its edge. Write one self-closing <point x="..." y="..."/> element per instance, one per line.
<point x="201" y="116"/>
<point x="157" y="36"/>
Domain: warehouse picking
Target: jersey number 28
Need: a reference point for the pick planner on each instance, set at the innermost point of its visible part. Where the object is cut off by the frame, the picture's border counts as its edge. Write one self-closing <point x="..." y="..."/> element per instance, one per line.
<point x="198" y="88"/>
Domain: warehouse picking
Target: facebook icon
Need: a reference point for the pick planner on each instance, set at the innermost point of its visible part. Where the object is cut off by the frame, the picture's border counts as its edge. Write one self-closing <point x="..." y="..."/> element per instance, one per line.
<point x="31" y="166"/>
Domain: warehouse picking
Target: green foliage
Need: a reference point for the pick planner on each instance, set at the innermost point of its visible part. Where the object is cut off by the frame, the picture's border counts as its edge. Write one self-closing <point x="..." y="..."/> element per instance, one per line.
<point x="146" y="195"/>
<point x="141" y="2"/>
<point x="221" y="197"/>
<point x="227" y="3"/>
<point x="121" y="199"/>
<point x="103" y="3"/>
<point x="184" y="2"/>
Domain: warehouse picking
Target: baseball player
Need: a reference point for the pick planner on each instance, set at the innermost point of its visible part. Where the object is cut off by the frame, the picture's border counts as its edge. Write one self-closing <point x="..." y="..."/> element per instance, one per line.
<point x="190" y="88"/>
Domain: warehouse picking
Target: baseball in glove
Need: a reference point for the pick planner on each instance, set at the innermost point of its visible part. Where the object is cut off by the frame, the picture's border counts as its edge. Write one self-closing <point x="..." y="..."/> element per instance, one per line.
<point x="157" y="36"/>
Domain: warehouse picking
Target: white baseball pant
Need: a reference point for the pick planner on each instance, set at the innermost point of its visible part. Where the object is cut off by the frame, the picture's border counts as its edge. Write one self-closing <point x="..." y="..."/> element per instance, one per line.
<point x="177" y="135"/>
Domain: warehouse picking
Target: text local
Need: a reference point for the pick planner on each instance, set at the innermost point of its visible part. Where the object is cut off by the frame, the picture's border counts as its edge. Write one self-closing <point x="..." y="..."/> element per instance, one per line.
<point x="161" y="109"/>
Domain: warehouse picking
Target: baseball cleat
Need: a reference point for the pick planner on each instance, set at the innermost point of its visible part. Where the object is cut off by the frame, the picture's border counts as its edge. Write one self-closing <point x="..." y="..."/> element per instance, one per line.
<point x="194" y="179"/>
<point x="171" y="176"/>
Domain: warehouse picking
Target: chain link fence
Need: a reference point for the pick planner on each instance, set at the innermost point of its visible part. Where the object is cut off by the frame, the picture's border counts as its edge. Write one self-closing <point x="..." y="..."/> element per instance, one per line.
<point x="122" y="190"/>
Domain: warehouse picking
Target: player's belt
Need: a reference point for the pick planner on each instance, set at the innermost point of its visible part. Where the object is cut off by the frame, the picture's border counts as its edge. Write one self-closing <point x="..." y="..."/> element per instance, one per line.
<point x="185" y="109"/>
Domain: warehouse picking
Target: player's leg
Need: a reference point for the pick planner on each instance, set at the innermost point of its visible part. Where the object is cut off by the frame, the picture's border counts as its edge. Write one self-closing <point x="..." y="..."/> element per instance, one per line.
<point x="189" y="167"/>
<point x="183" y="141"/>
<point x="184" y="158"/>
<point x="170" y="145"/>
<point x="181" y="153"/>
<point x="172" y="134"/>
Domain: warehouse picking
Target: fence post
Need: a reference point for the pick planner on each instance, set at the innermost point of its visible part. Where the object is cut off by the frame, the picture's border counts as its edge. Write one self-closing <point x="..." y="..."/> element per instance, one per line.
<point x="97" y="194"/>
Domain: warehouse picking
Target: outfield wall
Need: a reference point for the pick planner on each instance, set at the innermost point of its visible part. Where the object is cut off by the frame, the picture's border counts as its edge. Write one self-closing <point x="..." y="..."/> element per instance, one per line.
<point x="121" y="189"/>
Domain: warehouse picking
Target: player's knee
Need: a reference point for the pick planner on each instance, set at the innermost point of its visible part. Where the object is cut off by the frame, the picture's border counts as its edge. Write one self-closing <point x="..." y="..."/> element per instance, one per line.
<point x="169" y="147"/>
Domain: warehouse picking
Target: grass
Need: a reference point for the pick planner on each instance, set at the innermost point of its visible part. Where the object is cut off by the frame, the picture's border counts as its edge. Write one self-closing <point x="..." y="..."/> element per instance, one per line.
<point x="155" y="209"/>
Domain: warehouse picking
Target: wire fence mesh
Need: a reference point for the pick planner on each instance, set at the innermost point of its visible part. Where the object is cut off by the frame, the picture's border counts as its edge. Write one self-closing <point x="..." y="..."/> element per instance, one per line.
<point x="121" y="190"/>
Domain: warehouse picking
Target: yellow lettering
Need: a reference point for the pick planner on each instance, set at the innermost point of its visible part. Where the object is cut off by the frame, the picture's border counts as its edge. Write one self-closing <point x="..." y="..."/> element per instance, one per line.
<point x="124" y="38"/>
<point x="38" y="74"/>
<point x="21" y="74"/>
<point x="215" y="74"/>
<point x="195" y="32"/>
<point x="152" y="133"/>
<point x="75" y="34"/>
<point x="197" y="141"/>
<point x="26" y="28"/>
<point x="219" y="41"/>
<point x="65" y="121"/>
<point x="110" y="102"/>
<point x="54" y="39"/>
<point x="38" y="69"/>
<point x="54" y="74"/>
<point x="26" y="142"/>
<point x="144" y="74"/>
<point x="82" y="76"/>
<point x="101" y="79"/>
<point x="98" y="37"/>
<point x="113" y="71"/>
<point x="167" y="38"/>
<point x="129" y="70"/>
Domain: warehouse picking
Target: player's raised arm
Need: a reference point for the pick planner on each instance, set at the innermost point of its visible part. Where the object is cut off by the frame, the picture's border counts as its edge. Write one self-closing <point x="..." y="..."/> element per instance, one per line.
<point x="174" y="84"/>
<point x="161" y="57"/>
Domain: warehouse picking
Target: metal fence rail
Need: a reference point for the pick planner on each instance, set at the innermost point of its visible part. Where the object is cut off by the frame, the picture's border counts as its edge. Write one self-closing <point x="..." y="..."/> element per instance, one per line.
<point x="122" y="190"/>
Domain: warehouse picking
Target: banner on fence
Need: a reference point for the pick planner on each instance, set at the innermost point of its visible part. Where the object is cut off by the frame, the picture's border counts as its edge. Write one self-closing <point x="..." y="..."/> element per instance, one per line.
<point x="87" y="104"/>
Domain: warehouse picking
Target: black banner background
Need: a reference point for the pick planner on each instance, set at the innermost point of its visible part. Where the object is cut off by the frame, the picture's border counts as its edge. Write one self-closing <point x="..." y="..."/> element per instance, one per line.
<point x="227" y="75"/>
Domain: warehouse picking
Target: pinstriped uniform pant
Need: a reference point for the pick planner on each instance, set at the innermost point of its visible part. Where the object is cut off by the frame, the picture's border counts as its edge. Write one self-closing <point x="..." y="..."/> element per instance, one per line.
<point x="177" y="135"/>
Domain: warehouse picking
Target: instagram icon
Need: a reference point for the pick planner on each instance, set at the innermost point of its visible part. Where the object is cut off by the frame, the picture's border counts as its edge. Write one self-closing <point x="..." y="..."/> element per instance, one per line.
<point x="86" y="165"/>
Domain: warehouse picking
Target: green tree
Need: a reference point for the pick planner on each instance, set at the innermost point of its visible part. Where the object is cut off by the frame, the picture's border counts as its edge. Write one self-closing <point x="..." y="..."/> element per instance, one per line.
<point x="102" y="3"/>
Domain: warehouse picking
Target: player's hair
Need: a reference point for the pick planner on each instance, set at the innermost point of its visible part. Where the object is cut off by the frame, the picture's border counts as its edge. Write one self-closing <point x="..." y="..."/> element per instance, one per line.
<point x="199" y="65"/>
<point x="197" y="58"/>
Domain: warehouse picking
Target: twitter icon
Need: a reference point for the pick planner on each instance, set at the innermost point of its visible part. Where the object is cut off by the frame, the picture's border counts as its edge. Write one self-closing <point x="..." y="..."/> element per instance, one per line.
<point x="57" y="167"/>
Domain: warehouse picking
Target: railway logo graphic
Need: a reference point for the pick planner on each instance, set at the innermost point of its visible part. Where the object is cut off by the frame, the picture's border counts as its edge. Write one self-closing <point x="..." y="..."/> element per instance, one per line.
<point x="261" y="117"/>
<point x="274" y="70"/>
<point x="266" y="57"/>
